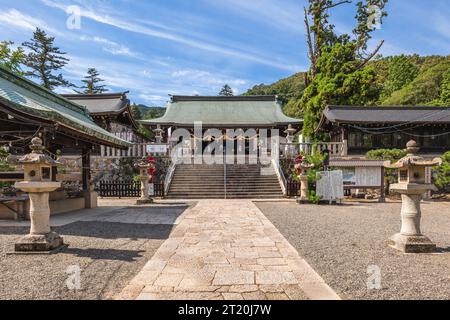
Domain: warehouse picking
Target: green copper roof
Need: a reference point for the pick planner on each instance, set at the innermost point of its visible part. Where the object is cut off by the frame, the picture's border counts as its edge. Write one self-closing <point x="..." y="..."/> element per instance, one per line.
<point x="224" y="111"/>
<point x="27" y="97"/>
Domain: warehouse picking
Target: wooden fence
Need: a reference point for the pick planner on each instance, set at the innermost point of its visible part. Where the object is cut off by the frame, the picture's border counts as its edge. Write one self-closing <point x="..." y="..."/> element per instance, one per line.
<point x="125" y="189"/>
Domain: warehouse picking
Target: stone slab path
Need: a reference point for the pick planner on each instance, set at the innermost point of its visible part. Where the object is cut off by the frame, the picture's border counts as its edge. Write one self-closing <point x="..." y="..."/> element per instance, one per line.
<point x="226" y="249"/>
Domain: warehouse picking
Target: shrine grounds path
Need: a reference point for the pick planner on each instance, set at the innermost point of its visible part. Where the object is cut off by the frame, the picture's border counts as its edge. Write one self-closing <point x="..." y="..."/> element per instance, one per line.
<point x="341" y="242"/>
<point x="110" y="245"/>
<point x="227" y="249"/>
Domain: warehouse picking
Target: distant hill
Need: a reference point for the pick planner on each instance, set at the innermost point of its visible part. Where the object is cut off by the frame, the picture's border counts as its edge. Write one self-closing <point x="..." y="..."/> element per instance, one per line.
<point x="150" y="112"/>
<point x="401" y="80"/>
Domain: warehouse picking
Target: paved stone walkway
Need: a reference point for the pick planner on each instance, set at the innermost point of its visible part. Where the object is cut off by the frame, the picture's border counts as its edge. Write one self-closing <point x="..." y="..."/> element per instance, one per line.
<point x="226" y="249"/>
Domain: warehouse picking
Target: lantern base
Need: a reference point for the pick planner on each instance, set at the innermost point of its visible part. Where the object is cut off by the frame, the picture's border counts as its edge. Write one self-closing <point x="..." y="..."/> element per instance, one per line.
<point x="144" y="201"/>
<point x="412" y="244"/>
<point x="39" y="243"/>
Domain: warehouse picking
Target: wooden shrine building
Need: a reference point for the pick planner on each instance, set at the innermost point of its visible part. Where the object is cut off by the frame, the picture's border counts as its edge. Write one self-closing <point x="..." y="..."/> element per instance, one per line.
<point x="28" y="110"/>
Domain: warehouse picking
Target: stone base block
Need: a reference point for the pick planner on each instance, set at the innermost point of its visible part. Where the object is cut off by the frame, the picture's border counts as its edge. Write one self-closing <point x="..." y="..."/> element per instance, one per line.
<point x="144" y="201"/>
<point x="412" y="244"/>
<point x="302" y="201"/>
<point x="37" y="243"/>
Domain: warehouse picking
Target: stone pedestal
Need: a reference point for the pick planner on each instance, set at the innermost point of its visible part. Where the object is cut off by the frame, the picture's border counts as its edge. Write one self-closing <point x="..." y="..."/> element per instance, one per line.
<point x="304" y="189"/>
<point x="410" y="239"/>
<point x="144" y="176"/>
<point x="41" y="238"/>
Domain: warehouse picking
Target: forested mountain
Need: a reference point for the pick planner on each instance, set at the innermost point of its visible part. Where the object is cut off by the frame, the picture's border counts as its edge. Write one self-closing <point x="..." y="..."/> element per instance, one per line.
<point x="400" y="80"/>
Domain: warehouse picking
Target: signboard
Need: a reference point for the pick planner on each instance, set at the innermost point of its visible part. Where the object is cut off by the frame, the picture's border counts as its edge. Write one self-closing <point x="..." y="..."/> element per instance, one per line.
<point x="157" y="148"/>
<point x="330" y="185"/>
<point x="151" y="189"/>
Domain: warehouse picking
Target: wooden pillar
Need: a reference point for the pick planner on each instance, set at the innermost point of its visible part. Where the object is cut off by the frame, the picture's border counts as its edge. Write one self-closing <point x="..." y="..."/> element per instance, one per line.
<point x="86" y="165"/>
<point x="382" y="187"/>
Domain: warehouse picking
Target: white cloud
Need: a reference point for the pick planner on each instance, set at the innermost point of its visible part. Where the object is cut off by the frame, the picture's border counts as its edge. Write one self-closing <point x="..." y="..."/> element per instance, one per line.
<point x="111" y="47"/>
<point x="15" y="19"/>
<point x="165" y="35"/>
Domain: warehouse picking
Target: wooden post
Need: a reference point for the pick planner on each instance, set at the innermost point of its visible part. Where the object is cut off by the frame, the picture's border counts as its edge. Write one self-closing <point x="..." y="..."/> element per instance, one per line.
<point x="89" y="196"/>
<point x="382" y="187"/>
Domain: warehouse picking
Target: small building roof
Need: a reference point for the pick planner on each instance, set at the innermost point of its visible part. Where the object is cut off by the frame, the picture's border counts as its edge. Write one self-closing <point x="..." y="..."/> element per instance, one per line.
<point x="351" y="163"/>
<point x="223" y="111"/>
<point x="394" y="114"/>
<point x="25" y="97"/>
<point x="113" y="105"/>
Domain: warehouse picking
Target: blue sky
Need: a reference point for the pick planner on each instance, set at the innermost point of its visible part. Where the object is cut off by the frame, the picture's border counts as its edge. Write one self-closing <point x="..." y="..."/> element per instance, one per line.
<point x="159" y="47"/>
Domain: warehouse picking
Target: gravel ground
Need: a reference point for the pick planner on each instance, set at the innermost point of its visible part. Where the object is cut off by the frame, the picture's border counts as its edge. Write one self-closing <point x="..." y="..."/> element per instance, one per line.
<point x="109" y="255"/>
<point x="340" y="242"/>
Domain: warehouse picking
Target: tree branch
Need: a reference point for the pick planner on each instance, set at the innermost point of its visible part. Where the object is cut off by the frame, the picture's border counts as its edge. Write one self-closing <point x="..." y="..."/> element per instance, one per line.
<point x="336" y="4"/>
<point x="310" y="46"/>
<point x="365" y="61"/>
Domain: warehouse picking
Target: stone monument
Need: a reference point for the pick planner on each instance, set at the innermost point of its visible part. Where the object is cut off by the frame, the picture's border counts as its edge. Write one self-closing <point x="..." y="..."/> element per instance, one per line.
<point x="38" y="183"/>
<point x="144" y="175"/>
<point x="411" y="185"/>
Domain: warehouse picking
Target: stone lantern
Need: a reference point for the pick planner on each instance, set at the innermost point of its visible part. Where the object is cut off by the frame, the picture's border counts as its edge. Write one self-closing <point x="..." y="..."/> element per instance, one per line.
<point x="38" y="183"/>
<point x="412" y="186"/>
<point x="144" y="175"/>
<point x="158" y="134"/>
<point x="290" y="135"/>
<point x="304" y="186"/>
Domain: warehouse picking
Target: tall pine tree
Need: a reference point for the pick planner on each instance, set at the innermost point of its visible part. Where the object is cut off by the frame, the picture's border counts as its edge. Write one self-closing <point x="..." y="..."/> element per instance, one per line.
<point x="91" y="83"/>
<point x="44" y="60"/>
<point x="226" y="91"/>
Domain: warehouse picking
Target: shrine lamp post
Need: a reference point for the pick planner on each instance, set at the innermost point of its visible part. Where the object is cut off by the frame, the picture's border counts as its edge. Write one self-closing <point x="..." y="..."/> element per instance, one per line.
<point x="38" y="183"/>
<point x="144" y="176"/>
<point x="304" y="185"/>
<point x="412" y="186"/>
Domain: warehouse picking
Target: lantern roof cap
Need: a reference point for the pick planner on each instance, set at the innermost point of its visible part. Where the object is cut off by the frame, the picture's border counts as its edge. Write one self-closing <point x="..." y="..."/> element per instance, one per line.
<point x="37" y="155"/>
<point x="412" y="159"/>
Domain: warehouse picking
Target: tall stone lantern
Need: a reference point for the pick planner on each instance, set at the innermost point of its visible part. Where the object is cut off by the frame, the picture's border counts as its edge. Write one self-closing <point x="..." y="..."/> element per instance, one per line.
<point x="144" y="175"/>
<point x="411" y="185"/>
<point x="38" y="183"/>
<point x="304" y="186"/>
<point x="290" y="135"/>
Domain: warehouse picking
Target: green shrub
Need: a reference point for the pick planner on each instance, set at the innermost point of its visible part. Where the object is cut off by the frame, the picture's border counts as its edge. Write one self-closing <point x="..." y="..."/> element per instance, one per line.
<point x="442" y="174"/>
<point x="386" y="154"/>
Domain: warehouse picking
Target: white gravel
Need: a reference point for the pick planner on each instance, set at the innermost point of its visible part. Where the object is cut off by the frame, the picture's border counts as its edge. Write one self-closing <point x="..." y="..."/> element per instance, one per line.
<point x="109" y="255"/>
<point x="341" y="242"/>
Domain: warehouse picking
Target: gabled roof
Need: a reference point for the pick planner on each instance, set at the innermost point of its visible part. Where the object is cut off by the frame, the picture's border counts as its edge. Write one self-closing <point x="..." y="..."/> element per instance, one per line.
<point x="394" y="114"/>
<point x="224" y="111"/>
<point x="102" y="103"/>
<point x="113" y="105"/>
<point x="26" y="97"/>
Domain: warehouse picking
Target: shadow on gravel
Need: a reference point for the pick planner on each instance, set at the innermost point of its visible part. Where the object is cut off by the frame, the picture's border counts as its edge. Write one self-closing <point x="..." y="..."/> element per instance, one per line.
<point x="105" y="254"/>
<point x="114" y="230"/>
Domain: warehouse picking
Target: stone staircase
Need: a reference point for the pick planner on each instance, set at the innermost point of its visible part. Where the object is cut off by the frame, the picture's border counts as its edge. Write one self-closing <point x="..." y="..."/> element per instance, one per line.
<point x="207" y="182"/>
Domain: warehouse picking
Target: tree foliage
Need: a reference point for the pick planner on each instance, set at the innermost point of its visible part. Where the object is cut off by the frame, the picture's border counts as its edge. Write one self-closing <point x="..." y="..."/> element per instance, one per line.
<point x="226" y="91"/>
<point x="11" y="59"/>
<point x="92" y="83"/>
<point x="442" y="173"/>
<point x="338" y="81"/>
<point x="45" y="60"/>
<point x="445" y="89"/>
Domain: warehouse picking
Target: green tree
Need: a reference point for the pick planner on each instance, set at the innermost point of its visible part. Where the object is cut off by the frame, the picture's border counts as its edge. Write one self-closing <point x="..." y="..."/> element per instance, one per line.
<point x="401" y="71"/>
<point x="340" y="81"/>
<point x="136" y="112"/>
<point x="442" y="173"/>
<point x="445" y="89"/>
<point x="44" y="60"/>
<point x="92" y="83"/>
<point x="11" y="59"/>
<point x="226" y="91"/>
